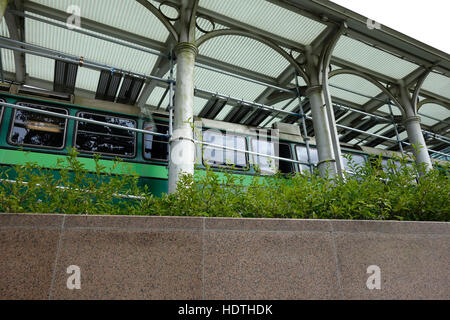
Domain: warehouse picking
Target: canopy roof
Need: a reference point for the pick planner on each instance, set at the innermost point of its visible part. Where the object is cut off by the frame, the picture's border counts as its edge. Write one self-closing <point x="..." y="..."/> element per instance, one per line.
<point x="295" y="25"/>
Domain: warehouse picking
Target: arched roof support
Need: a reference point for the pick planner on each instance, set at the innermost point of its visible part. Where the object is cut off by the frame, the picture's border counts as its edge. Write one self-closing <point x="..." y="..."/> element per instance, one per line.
<point x="226" y="32"/>
<point x="371" y="80"/>
<point x="325" y="60"/>
<point x="160" y="17"/>
<point x="431" y="101"/>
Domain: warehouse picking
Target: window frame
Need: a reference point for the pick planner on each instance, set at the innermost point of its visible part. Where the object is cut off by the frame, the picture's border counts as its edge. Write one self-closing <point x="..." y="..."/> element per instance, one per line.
<point x="314" y="165"/>
<point x="74" y="143"/>
<point x="267" y="156"/>
<point x="362" y="155"/>
<point x="143" y="144"/>
<point x="27" y="104"/>
<point x="2" y="110"/>
<point x="292" y="164"/>
<point x="247" y="165"/>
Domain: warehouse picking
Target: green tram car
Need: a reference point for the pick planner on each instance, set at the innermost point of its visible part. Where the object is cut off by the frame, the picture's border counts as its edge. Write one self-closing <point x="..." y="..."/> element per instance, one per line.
<point x="33" y="137"/>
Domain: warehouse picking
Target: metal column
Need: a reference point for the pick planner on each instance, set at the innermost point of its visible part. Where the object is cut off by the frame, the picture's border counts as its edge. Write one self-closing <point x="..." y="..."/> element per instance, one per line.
<point x="182" y="144"/>
<point x="303" y="121"/>
<point x="395" y="127"/>
<point x="417" y="140"/>
<point x="327" y="165"/>
<point x="415" y="135"/>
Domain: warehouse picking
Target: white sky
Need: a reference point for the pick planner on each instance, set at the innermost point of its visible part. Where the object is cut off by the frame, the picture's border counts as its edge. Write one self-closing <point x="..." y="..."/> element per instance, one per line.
<point x="425" y="20"/>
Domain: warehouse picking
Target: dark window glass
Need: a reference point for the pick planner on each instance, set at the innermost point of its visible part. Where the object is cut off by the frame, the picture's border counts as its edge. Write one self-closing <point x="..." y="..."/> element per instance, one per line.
<point x="155" y="147"/>
<point x="303" y="156"/>
<point x="285" y="152"/>
<point x="224" y="157"/>
<point x="103" y="139"/>
<point x="38" y="130"/>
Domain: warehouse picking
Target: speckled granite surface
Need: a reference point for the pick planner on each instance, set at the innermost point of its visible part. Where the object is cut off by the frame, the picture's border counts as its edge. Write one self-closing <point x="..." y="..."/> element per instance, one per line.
<point x="123" y="257"/>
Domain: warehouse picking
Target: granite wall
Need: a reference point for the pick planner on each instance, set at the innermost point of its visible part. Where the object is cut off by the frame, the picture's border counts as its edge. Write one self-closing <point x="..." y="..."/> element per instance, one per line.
<point x="122" y="257"/>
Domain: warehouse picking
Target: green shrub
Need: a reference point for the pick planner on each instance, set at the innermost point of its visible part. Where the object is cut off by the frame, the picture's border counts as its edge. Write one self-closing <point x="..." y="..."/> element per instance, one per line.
<point x="69" y="189"/>
<point x="369" y="192"/>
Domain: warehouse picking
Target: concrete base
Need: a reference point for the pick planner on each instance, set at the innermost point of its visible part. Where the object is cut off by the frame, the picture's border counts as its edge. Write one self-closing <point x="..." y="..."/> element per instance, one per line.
<point x="124" y="257"/>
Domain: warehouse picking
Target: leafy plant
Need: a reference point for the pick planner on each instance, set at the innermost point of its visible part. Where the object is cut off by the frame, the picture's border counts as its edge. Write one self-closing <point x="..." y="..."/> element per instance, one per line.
<point x="371" y="191"/>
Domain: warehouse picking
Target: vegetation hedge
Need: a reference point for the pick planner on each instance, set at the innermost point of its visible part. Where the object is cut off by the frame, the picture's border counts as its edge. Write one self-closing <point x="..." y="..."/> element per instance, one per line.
<point x="369" y="193"/>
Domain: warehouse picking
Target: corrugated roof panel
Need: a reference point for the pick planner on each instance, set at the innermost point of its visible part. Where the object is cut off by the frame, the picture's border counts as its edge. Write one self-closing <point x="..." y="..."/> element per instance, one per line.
<point x="372" y="58"/>
<point x="8" y="60"/>
<point x="301" y="82"/>
<point x="376" y="128"/>
<point x="225" y="111"/>
<point x="290" y="107"/>
<point x="87" y="79"/>
<point x="268" y="17"/>
<point x="353" y="83"/>
<point x="156" y="96"/>
<point x="282" y="106"/>
<point x="39" y="67"/>
<point x="93" y="49"/>
<point x="354" y="141"/>
<point x="435" y="111"/>
<point x="4" y="32"/>
<point x="395" y="110"/>
<point x="438" y="84"/>
<point x="245" y="53"/>
<point x="125" y="15"/>
<point x="402" y="135"/>
<point x="269" y="125"/>
<point x="7" y="55"/>
<point x="227" y="85"/>
<point x="199" y="104"/>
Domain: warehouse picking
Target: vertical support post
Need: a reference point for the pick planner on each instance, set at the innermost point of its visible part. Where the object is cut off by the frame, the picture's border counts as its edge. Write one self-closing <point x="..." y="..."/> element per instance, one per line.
<point x="324" y="63"/>
<point x="415" y="135"/>
<point x="171" y="99"/>
<point x="333" y="129"/>
<point x="305" y="132"/>
<point x="395" y="127"/>
<point x="327" y="165"/>
<point x="182" y="144"/>
<point x="416" y="138"/>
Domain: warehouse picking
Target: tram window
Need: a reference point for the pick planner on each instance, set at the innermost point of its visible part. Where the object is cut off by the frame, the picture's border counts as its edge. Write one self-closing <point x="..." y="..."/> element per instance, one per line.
<point x="265" y="164"/>
<point x="387" y="165"/>
<point x="302" y="155"/>
<point x="156" y="147"/>
<point x="223" y="157"/>
<point x="38" y="130"/>
<point x="103" y="139"/>
<point x="356" y="161"/>
<point x="285" y="152"/>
